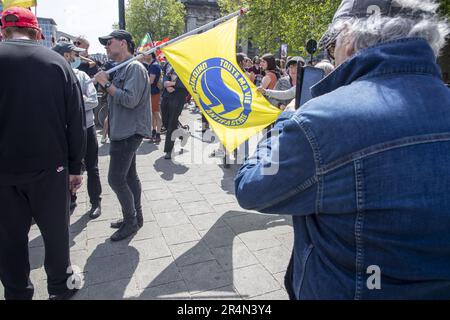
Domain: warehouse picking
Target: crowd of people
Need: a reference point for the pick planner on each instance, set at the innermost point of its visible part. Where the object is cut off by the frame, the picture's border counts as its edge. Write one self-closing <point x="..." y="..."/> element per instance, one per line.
<point x="143" y="99"/>
<point x="362" y="168"/>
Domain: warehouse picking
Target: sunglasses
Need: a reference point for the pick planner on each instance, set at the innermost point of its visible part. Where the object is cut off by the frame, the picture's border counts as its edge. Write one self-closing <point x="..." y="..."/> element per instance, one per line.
<point x="77" y="43"/>
<point x="110" y="41"/>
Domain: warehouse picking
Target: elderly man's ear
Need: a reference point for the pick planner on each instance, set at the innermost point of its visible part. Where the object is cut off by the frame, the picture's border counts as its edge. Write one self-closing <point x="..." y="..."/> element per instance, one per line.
<point x="345" y="48"/>
<point x="350" y="47"/>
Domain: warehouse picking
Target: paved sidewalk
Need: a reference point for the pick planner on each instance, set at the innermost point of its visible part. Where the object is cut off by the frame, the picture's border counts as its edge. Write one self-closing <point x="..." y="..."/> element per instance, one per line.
<point x="196" y="243"/>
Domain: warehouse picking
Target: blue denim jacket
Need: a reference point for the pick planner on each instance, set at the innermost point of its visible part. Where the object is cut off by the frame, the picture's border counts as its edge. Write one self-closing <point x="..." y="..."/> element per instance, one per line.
<point x="364" y="169"/>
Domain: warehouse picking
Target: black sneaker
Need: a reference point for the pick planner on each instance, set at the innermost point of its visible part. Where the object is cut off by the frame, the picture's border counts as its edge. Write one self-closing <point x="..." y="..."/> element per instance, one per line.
<point x="126" y="230"/>
<point x="64" y="296"/>
<point x="117" y="224"/>
<point x="95" y="212"/>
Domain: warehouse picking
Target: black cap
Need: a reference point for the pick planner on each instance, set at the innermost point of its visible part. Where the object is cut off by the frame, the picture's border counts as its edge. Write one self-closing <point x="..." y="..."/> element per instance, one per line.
<point x="117" y="34"/>
<point x="63" y="47"/>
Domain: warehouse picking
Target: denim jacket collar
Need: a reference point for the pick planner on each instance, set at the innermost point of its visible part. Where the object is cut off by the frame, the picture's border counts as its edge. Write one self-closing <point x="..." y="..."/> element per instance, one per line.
<point x="407" y="55"/>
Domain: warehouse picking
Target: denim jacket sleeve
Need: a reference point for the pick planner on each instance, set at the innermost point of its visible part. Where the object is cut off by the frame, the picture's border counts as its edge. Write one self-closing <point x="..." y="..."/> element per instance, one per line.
<point x="282" y="168"/>
<point x="134" y="86"/>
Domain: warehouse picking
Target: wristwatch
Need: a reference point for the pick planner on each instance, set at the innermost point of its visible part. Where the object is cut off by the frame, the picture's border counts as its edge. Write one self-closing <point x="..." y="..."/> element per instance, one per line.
<point x="107" y="85"/>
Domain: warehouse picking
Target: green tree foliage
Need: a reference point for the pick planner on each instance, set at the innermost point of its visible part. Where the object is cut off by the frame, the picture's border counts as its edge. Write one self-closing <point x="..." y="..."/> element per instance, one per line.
<point x="445" y="7"/>
<point x="162" y="18"/>
<point x="272" y="22"/>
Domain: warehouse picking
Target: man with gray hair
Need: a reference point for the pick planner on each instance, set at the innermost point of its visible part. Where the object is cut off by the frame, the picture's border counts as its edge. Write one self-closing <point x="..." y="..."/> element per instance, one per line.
<point x="363" y="166"/>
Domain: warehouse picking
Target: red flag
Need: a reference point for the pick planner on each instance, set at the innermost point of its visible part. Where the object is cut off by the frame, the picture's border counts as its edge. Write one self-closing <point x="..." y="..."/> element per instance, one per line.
<point x="159" y="54"/>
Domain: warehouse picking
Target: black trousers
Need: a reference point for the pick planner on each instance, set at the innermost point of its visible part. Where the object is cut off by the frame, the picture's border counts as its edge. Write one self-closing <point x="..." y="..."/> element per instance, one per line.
<point x="45" y="199"/>
<point x="123" y="177"/>
<point x="94" y="185"/>
<point x="172" y="105"/>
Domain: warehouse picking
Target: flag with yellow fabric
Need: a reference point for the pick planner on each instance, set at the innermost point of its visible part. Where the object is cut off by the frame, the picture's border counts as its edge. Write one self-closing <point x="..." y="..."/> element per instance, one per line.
<point x="19" y="3"/>
<point x="207" y="66"/>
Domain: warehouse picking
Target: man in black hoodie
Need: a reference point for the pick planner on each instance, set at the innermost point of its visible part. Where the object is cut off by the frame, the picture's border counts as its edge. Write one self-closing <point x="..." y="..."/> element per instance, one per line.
<point x="42" y="142"/>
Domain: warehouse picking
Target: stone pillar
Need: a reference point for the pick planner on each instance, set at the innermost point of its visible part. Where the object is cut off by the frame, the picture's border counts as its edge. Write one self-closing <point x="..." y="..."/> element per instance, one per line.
<point x="199" y="13"/>
<point x="191" y="23"/>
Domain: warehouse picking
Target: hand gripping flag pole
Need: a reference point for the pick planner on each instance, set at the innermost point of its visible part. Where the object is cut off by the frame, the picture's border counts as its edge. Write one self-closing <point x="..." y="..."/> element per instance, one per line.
<point x="190" y="33"/>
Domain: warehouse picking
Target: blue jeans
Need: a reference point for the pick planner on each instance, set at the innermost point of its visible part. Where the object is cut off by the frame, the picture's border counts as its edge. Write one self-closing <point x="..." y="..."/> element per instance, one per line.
<point x="123" y="178"/>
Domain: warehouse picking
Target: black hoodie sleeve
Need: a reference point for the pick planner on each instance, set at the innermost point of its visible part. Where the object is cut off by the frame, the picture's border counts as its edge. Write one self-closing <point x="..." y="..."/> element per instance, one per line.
<point x="76" y="125"/>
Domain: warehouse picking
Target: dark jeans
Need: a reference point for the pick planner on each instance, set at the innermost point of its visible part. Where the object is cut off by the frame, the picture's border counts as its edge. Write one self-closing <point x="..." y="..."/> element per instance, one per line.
<point x="47" y="201"/>
<point x="173" y="106"/>
<point x="123" y="178"/>
<point x="94" y="185"/>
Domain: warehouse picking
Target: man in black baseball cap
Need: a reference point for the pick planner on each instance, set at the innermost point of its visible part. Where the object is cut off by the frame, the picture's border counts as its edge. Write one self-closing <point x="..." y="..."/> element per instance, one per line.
<point x="119" y="35"/>
<point x="65" y="46"/>
<point x="69" y="51"/>
<point x="130" y="119"/>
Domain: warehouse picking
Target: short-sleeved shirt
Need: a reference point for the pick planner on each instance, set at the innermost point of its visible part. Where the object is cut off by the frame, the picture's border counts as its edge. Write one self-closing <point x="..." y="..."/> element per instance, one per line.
<point x="155" y="69"/>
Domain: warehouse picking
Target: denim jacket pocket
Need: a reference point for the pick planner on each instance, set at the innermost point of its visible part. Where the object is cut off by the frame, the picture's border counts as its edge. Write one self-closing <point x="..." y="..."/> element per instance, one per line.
<point x="305" y="257"/>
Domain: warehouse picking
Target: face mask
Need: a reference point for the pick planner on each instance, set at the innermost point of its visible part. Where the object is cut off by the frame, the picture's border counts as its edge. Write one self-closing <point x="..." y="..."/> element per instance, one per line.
<point x="76" y="63"/>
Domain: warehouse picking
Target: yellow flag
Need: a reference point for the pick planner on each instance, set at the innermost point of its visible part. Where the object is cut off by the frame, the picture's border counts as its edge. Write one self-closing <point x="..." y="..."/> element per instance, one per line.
<point x="207" y="66"/>
<point x="19" y="3"/>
